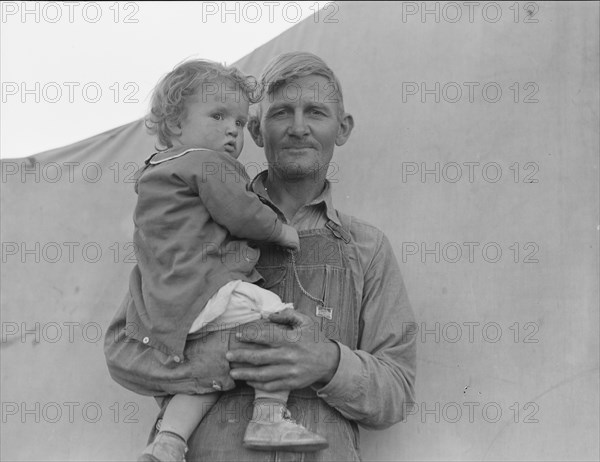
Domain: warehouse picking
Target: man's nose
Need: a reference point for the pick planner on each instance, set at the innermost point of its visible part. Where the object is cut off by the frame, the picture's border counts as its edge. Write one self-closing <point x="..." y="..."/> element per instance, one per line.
<point x="298" y="126"/>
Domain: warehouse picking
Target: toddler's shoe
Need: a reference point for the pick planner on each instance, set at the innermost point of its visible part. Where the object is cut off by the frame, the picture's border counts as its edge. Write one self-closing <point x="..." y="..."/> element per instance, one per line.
<point x="166" y="447"/>
<point x="274" y="429"/>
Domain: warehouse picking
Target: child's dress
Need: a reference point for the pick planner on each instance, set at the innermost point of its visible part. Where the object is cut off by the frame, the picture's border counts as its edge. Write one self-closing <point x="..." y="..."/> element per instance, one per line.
<point x="193" y="220"/>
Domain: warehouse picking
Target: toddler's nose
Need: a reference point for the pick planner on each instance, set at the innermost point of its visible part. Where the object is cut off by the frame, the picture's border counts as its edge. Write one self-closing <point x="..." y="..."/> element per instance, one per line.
<point x="233" y="129"/>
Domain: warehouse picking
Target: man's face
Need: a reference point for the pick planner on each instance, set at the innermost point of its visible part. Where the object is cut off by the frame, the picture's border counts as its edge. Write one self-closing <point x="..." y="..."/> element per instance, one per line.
<point x="300" y="127"/>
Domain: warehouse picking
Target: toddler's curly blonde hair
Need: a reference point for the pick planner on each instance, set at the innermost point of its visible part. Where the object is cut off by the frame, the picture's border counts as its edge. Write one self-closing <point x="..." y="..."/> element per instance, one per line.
<point x="172" y="93"/>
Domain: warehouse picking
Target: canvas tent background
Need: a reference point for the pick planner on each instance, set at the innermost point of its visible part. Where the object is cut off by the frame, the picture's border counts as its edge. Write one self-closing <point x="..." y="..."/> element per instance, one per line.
<point x="58" y="402"/>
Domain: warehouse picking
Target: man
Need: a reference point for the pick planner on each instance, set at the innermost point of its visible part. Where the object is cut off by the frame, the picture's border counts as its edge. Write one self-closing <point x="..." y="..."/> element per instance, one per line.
<point x="342" y="350"/>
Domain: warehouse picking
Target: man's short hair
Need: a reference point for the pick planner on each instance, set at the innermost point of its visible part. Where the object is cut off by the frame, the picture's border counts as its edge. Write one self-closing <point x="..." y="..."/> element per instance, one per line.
<point x="287" y="67"/>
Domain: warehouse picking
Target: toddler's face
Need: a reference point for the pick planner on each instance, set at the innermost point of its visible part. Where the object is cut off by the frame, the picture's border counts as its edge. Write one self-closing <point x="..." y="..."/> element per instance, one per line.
<point x="215" y="119"/>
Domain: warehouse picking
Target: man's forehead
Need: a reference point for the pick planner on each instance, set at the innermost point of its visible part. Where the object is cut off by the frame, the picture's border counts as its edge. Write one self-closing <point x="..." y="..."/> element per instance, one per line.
<point x="307" y="88"/>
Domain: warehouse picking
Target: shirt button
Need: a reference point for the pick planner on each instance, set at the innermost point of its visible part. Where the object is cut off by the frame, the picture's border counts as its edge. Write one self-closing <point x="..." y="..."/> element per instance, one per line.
<point x="145" y="340"/>
<point x="177" y="359"/>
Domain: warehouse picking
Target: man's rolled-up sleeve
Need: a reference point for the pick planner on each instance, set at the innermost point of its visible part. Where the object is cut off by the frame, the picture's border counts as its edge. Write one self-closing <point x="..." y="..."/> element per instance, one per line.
<point x="374" y="384"/>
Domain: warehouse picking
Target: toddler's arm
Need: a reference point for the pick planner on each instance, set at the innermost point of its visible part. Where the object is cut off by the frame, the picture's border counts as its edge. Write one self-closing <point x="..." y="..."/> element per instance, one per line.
<point x="221" y="181"/>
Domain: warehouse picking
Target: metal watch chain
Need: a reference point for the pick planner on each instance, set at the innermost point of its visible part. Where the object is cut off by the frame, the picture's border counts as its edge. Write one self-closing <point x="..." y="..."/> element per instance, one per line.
<point x="320" y="310"/>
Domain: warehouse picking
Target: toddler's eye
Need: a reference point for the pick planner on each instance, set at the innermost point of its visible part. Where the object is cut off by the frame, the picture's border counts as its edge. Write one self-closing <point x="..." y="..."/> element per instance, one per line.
<point x="217" y="116"/>
<point x="240" y="123"/>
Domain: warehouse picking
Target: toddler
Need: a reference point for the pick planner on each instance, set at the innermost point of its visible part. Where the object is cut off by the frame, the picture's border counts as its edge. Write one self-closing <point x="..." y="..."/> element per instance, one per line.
<point x="195" y="272"/>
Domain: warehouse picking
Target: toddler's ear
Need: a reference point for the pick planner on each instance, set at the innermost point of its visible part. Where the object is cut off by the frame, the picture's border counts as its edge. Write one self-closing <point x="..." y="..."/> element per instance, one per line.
<point x="173" y="128"/>
<point x="254" y="129"/>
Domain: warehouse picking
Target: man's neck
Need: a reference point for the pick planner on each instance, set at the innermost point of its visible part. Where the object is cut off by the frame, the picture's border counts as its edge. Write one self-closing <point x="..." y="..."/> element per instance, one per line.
<point x="290" y="196"/>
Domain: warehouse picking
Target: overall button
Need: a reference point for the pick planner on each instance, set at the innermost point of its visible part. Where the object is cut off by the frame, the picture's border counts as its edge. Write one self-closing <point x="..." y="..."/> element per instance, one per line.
<point x="145" y="340"/>
<point x="177" y="359"/>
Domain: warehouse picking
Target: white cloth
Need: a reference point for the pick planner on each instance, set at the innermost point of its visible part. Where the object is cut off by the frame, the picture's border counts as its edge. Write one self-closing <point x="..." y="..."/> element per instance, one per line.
<point x="237" y="302"/>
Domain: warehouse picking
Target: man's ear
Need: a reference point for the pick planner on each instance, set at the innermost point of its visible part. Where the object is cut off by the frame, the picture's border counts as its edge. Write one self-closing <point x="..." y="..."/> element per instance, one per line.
<point x="346" y="126"/>
<point x="254" y="129"/>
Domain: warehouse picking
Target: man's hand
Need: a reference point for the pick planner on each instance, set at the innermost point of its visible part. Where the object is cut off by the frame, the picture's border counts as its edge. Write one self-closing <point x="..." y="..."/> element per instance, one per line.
<point x="289" y="352"/>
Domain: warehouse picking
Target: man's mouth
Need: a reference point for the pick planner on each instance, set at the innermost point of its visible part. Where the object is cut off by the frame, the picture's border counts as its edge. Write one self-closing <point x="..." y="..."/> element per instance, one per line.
<point x="298" y="147"/>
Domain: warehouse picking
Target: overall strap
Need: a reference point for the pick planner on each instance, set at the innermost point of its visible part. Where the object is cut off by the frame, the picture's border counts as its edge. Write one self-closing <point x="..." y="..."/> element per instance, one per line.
<point x="341" y="232"/>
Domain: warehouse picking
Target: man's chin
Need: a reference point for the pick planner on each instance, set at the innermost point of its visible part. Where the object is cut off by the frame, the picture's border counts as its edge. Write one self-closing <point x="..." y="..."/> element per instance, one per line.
<point x="299" y="169"/>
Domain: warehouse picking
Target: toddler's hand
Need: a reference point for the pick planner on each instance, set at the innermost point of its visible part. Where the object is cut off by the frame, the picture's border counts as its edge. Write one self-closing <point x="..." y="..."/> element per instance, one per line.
<point x="289" y="238"/>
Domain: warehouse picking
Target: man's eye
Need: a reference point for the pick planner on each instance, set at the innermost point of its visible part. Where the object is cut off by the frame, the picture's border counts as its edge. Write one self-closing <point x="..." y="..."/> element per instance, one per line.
<point x="317" y="112"/>
<point x="217" y="116"/>
<point x="280" y="113"/>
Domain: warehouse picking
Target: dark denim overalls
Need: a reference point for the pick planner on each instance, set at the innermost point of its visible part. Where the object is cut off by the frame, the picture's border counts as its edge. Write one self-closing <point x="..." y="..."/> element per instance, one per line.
<point x="324" y="272"/>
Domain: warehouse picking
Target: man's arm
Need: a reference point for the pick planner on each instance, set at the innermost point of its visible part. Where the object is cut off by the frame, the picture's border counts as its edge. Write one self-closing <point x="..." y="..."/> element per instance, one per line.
<point x="374" y="383"/>
<point x="370" y="385"/>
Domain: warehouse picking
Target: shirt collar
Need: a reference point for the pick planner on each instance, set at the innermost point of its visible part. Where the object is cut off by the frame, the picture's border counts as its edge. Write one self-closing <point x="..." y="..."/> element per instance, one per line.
<point x="257" y="185"/>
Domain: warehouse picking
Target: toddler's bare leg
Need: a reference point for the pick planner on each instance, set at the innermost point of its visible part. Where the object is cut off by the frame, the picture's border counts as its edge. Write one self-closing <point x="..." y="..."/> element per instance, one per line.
<point x="273" y="395"/>
<point x="182" y="416"/>
<point x="184" y="413"/>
